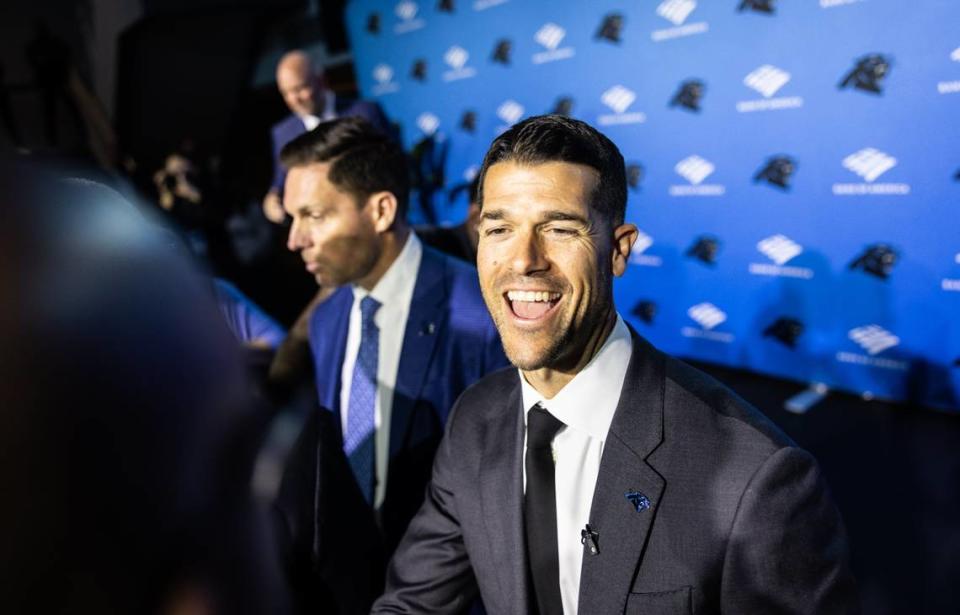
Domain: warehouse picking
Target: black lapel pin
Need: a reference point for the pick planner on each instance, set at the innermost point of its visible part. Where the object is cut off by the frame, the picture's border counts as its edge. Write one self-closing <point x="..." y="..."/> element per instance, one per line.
<point x="639" y="501"/>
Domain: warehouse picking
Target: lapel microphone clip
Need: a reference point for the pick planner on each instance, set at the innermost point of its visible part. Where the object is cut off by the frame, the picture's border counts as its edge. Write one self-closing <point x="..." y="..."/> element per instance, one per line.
<point x="589" y="538"/>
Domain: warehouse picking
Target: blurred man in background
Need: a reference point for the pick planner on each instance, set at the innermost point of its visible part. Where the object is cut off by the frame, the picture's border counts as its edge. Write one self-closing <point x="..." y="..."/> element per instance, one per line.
<point x="305" y="91"/>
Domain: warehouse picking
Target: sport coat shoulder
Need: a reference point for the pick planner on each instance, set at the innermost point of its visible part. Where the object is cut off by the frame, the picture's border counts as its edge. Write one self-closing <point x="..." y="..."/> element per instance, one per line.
<point x="366" y="109"/>
<point x="743" y="517"/>
<point x="286" y="129"/>
<point x="462" y="287"/>
<point x="698" y="403"/>
<point x="443" y="283"/>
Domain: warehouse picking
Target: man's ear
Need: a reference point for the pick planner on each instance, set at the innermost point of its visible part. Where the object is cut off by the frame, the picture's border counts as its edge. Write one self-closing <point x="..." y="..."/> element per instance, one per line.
<point x="383" y="210"/>
<point x="623" y="238"/>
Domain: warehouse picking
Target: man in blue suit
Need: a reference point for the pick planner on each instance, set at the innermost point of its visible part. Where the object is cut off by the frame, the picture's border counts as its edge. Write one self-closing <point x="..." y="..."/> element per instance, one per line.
<point x="405" y="333"/>
<point x="304" y="90"/>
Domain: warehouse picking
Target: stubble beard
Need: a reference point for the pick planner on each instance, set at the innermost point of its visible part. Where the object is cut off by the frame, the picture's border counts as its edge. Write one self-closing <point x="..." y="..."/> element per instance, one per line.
<point x="517" y="345"/>
<point x="569" y="338"/>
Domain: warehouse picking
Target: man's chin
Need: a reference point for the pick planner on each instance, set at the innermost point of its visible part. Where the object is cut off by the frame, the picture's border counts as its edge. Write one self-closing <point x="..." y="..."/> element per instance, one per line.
<point x="528" y="361"/>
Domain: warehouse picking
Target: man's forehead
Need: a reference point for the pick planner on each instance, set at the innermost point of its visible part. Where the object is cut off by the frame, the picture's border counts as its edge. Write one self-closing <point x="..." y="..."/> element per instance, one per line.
<point x="291" y="79"/>
<point x="551" y="181"/>
<point x="288" y="79"/>
<point x="305" y="182"/>
<point x="553" y="173"/>
<point x="310" y="172"/>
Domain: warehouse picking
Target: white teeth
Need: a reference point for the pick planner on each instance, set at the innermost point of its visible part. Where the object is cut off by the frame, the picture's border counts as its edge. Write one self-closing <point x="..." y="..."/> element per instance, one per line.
<point x="532" y="296"/>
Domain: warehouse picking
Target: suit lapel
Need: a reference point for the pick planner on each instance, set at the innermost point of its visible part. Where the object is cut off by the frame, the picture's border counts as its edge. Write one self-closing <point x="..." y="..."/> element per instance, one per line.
<point x="501" y="493"/>
<point x="637" y="430"/>
<point x="328" y="337"/>
<point x="425" y="324"/>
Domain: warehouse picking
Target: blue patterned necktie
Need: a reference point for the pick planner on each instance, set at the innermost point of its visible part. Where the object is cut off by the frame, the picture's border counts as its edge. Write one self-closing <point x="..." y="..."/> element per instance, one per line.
<point x="359" y="441"/>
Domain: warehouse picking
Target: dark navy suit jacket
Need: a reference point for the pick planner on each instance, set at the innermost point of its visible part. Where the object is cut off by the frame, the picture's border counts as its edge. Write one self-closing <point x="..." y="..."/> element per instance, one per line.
<point x="450" y="342"/>
<point x="701" y="506"/>
<point x="292" y="127"/>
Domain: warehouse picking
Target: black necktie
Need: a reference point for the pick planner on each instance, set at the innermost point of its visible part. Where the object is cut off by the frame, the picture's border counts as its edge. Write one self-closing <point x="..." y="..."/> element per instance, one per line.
<point x="540" y="511"/>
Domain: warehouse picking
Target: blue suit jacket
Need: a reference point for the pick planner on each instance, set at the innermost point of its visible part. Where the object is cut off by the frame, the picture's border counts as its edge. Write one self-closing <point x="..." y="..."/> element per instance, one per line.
<point x="292" y="127"/>
<point x="450" y="342"/>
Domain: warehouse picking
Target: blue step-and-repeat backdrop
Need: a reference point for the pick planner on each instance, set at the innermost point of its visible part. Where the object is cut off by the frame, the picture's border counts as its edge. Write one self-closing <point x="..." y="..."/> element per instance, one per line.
<point x="794" y="165"/>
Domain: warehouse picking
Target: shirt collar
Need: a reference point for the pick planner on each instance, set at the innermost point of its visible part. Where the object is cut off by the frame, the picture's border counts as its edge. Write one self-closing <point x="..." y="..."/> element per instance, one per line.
<point x="327" y="113"/>
<point x="588" y="402"/>
<point x="310" y="121"/>
<point x="400" y="277"/>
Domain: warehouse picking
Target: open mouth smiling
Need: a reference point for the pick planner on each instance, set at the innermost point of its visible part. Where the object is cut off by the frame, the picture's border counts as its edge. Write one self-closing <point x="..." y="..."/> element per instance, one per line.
<point x="532" y="306"/>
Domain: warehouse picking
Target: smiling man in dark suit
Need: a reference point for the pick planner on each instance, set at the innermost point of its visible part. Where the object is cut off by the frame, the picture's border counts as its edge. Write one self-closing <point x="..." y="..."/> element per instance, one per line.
<point x="602" y="476"/>
<point x="394" y="346"/>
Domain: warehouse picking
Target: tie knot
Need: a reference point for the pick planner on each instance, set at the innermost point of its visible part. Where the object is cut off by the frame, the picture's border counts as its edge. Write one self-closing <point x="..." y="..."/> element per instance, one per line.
<point x="368" y="307"/>
<point x="541" y="427"/>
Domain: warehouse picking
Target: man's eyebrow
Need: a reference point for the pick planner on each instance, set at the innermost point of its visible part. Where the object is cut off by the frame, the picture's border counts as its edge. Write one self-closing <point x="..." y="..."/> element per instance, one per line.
<point x="308" y="208"/>
<point x="562" y="216"/>
<point x="550" y="216"/>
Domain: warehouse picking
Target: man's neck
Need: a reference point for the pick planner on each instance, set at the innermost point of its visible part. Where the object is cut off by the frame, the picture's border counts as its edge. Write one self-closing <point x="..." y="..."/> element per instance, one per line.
<point x="548" y="381"/>
<point x="393" y="242"/>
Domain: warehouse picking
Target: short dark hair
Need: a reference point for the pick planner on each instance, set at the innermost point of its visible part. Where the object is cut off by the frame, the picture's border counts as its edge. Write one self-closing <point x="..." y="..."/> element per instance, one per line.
<point x="556" y="138"/>
<point x="363" y="159"/>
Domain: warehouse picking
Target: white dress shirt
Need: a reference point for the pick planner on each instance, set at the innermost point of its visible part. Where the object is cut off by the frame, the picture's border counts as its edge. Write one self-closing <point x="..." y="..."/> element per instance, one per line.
<point x="310" y="121"/>
<point x="329" y="112"/>
<point x="394" y="292"/>
<point x="586" y="406"/>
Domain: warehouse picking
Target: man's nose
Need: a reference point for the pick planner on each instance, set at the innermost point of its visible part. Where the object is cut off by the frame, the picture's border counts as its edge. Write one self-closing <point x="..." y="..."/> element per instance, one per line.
<point x="294" y="240"/>
<point x="528" y="256"/>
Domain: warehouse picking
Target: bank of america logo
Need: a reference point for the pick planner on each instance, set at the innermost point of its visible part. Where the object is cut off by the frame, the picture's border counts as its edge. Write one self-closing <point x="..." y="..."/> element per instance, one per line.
<point x="643" y="242"/>
<point x="676" y="11"/>
<point x="428" y="123"/>
<point x="779" y="248"/>
<point x="550" y="35"/>
<point x="707" y="315"/>
<point x="510" y="111"/>
<point x="869" y="163"/>
<point x="951" y="87"/>
<point x="640" y="246"/>
<point x="408" y="13"/>
<point x="383" y="76"/>
<point x="383" y="73"/>
<point x="694" y="169"/>
<point x="767" y="80"/>
<point x="873" y="338"/>
<point x="406" y="10"/>
<point x="456" y="57"/>
<point x="618" y="98"/>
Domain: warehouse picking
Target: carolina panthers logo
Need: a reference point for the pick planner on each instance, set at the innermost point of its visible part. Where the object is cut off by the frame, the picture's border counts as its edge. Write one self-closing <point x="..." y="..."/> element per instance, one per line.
<point x="689" y="95"/>
<point x="868" y="74"/>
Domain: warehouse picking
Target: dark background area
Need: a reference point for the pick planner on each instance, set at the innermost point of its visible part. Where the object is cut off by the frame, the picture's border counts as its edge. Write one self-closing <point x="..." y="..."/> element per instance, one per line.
<point x="169" y="71"/>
